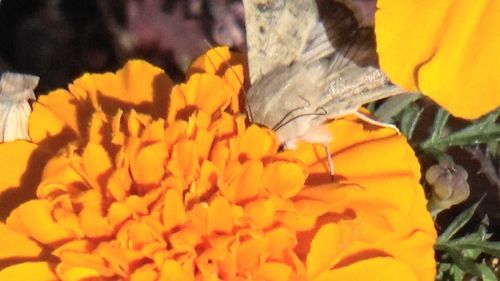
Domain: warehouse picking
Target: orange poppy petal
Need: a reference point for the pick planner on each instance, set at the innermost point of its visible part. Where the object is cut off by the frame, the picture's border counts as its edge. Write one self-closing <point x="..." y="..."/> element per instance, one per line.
<point x="452" y="57"/>
<point x="15" y="245"/>
<point x="36" y="271"/>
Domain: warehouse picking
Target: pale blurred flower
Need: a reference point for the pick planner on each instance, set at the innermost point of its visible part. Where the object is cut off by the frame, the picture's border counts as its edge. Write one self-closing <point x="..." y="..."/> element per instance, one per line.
<point x="15" y="91"/>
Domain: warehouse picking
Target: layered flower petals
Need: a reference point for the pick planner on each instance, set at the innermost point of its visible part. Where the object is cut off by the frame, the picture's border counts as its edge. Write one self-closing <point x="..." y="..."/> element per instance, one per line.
<point x="451" y="55"/>
<point x="201" y="195"/>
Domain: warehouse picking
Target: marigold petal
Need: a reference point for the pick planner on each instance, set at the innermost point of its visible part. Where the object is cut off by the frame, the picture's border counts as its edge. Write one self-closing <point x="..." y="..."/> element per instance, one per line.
<point x="257" y="143"/>
<point x="171" y="270"/>
<point x="119" y="184"/>
<point x="93" y="223"/>
<point x="15" y="171"/>
<point x="57" y="114"/>
<point x="198" y="93"/>
<point x="148" y="165"/>
<point x="242" y="181"/>
<point x="284" y="178"/>
<point x="184" y="163"/>
<point x="220" y="217"/>
<point x="250" y="253"/>
<point x="216" y="61"/>
<point x="393" y="156"/>
<point x="380" y="268"/>
<point x="260" y="213"/>
<point x="84" y="261"/>
<point x="58" y="175"/>
<point x="96" y="163"/>
<point x="208" y="100"/>
<point x="118" y="213"/>
<point x="198" y="218"/>
<point x="280" y="240"/>
<point x="16" y="245"/>
<point x="174" y="213"/>
<point x="36" y="271"/>
<point x="407" y="247"/>
<point x="324" y="249"/>
<point x="273" y="271"/>
<point x="145" y="272"/>
<point x="111" y="91"/>
<point x="98" y="125"/>
<point x="34" y="219"/>
<point x="355" y="150"/>
<point x="76" y="273"/>
<point x="453" y="57"/>
<point x="120" y="260"/>
<point x="208" y="179"/>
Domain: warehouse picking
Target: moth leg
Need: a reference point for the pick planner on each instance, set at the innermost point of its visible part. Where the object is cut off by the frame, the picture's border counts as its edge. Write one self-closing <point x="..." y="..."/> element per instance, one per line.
<point x="330" y="160"/>
<point x="372" y="121"/>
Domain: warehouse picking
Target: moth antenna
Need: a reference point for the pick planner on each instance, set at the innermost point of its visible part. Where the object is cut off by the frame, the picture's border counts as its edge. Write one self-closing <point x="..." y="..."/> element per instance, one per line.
<point x="228" y="66"/>
<point x="299" y="116"/>
<point x="278" y="125"/>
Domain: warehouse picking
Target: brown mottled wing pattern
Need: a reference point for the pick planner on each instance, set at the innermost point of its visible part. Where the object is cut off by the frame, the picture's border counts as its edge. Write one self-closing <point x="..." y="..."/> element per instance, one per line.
<point x="277" y="32"/>
<point x="329" y="74"/>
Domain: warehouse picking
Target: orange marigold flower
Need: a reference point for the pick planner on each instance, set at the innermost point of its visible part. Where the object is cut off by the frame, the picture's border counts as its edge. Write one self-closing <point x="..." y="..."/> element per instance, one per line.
<point x="446" y="49"/>
<point x="195" y="193"/>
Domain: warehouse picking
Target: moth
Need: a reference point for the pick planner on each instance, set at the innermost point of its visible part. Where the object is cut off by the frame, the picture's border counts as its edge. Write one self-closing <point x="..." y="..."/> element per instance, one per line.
<point x="309" y="61"/>
<point x="15" y="91"/>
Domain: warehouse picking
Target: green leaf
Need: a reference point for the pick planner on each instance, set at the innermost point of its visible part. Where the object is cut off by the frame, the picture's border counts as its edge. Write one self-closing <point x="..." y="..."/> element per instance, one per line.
<point x="458" y="223"/>
<point x="487" y="273"/>
<point x="393" y="105"/>
<point x="410" y="116"/>
<point x="464" y="263"/>
<point x="437" y="128"/>
<point x="482" y="131"/>
<point x="489" y="247"/>
<point x="457" y="273"/>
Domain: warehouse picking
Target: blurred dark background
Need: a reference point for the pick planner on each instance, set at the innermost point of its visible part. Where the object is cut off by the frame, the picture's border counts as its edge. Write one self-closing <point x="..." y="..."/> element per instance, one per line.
<point x="58" y="40"/>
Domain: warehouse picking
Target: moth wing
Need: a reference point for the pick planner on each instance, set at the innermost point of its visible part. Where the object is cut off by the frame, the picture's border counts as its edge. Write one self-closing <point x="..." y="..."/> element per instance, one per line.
<point x="277" y="32"/>
<point x="345" y="52"/>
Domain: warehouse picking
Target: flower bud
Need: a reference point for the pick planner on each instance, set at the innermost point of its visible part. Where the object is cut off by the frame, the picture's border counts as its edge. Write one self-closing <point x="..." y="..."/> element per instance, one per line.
<point x="449" y="185"/>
